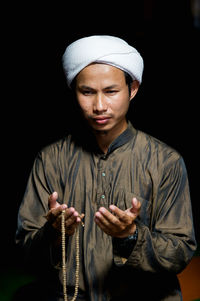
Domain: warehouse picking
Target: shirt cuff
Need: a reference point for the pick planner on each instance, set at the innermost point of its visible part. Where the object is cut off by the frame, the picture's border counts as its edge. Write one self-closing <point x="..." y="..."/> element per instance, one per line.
<point x="123" y="247"/>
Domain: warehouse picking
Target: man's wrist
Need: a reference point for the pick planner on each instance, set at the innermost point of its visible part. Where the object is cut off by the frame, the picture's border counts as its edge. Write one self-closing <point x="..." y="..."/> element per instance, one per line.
<point x="124" y="246"/>
<point x="128" y="238"/>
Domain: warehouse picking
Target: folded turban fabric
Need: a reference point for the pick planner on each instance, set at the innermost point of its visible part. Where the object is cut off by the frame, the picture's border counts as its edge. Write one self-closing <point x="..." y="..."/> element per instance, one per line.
<point x="102" y="49"/>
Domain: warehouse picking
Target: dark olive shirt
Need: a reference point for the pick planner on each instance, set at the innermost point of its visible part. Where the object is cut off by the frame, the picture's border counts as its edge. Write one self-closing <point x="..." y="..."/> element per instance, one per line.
<point x="136" y="165"/>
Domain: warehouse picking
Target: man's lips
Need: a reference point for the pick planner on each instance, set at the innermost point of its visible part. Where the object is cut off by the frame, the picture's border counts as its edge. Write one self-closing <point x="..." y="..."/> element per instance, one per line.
<point x="101" y="119"/>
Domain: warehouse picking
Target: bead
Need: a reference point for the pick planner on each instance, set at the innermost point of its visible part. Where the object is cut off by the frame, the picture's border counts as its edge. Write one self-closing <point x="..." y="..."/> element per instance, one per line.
<point x="64" y="269"/>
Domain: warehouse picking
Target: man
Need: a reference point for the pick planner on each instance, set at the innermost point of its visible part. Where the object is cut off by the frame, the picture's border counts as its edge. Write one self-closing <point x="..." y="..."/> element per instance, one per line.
<point x="129" y="189"/>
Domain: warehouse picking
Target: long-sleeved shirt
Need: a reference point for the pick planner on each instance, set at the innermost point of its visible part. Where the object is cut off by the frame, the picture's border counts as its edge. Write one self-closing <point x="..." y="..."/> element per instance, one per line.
<point x="136" y="165"/>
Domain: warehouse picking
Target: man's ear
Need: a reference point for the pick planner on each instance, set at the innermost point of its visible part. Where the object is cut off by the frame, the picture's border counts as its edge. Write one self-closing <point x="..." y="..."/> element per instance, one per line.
<point x="134" y="88"/>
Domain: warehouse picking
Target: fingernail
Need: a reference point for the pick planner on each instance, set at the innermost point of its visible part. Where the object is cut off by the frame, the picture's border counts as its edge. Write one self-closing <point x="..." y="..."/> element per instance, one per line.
<point x="97" y="214"/>
<point x="135" y="201"/>
<point x="112" y="207"/>
<point x="102" y="210"/>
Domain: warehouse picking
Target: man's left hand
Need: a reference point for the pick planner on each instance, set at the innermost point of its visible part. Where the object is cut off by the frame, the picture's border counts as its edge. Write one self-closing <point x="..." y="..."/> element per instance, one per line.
<point x="118" y="223"/>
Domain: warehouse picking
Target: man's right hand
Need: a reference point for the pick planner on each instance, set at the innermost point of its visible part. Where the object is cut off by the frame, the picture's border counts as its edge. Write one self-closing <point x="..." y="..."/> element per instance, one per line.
<point x="72" y="218"/>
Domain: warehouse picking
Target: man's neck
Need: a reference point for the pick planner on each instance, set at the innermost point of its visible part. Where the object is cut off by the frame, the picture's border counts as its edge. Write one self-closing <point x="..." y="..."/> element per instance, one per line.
<point x="105" y="138"/>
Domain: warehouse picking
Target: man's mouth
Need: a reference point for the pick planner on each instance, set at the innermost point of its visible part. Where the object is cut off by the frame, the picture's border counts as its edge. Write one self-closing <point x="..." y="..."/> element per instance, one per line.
<point x="101" y="119"/>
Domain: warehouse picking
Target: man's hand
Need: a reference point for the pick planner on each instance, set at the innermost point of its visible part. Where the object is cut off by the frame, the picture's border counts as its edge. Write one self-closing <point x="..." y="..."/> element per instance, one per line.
<point x="72" y="217"/>
<point x="119" y="223"/>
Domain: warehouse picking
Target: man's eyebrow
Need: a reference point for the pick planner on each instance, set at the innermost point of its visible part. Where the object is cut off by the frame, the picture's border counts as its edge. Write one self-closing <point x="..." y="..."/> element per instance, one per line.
<point x="111" y="87"/>
<point x="85" y="87"/>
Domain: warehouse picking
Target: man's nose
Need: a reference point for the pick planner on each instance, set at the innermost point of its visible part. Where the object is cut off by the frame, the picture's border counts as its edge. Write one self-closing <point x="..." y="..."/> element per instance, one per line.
<point x="100" y="104"/>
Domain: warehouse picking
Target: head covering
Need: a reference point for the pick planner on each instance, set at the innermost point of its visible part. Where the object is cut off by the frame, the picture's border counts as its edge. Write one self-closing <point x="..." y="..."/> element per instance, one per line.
<point x="102" y="49"/>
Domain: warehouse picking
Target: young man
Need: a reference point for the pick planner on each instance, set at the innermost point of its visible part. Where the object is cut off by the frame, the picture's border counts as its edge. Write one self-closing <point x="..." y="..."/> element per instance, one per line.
<point x="130" y="190"/>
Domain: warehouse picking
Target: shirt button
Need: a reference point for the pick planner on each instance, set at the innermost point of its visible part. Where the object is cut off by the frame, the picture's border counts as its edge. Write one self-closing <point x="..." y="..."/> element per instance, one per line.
<point x="103" y="174"/>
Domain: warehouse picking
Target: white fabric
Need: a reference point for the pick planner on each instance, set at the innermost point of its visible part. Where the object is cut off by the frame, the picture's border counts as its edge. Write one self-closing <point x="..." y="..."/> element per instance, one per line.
<point x="102" y="49"/>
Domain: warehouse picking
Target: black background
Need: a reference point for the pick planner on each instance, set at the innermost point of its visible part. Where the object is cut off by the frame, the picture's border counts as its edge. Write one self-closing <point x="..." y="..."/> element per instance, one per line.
<point x="35" y="106"/>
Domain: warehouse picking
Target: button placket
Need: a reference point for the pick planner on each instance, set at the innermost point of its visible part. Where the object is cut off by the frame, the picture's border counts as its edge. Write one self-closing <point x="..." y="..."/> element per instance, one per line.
<point x="102" y="182"/>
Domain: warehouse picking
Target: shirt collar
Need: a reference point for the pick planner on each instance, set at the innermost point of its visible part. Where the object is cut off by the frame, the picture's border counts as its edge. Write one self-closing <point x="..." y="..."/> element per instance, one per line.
<point x="123" y="138"/>
<point x="85" y="138"/>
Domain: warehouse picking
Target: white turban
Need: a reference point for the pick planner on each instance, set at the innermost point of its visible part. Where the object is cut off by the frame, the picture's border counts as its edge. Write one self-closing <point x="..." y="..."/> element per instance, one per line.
<point x="102" y="49"/>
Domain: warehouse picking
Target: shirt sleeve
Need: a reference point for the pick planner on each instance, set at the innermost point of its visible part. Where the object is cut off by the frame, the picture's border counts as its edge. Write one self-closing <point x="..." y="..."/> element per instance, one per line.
<point x="169" y="242"/>
<point x="34" y="234"/>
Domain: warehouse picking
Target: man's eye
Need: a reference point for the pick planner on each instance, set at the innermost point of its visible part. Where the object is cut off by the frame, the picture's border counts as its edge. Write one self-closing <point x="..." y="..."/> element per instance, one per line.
<point x="111" y="91"/>
<point x="86" y="92"/>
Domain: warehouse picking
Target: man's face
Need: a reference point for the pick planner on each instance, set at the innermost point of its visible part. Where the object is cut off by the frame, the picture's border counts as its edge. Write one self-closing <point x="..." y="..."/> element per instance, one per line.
<point x="103" y="97"/>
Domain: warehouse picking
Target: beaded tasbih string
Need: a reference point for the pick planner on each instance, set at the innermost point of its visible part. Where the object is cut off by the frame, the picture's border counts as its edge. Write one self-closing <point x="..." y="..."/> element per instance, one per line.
<point x="64" y="268"/>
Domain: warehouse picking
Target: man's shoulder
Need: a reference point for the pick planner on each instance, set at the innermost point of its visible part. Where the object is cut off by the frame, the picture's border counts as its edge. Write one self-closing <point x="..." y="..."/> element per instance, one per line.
<point x="57" y="147"/>
<point x="154" y="148"/>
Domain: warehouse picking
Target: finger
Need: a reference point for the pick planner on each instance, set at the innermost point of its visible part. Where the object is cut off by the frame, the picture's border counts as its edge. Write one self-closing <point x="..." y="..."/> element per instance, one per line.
<point x="54" y="213"/>
<point x="71" y="216"/>
<point x="52" y="200"/>
<point x="101" y="225"/>
<point x="72" y="221"/>
<point x="54" y="217"/>
<point x="58" y="210"/>
<point x="136" y="205"/>
<point x="69" y="212"/>
<point x="122" y="215"/>
<point x="112" y="226"/>
<point x="106" y="217"/>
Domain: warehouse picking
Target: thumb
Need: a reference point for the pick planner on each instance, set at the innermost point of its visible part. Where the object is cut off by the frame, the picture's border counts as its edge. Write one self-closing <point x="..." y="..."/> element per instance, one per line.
<point x="52" y="200"/>
<point x="135" y="206"/>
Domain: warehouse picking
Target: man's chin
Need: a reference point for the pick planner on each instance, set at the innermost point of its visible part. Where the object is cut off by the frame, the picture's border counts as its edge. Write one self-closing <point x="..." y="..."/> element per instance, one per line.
<point x="100" y="129"/>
